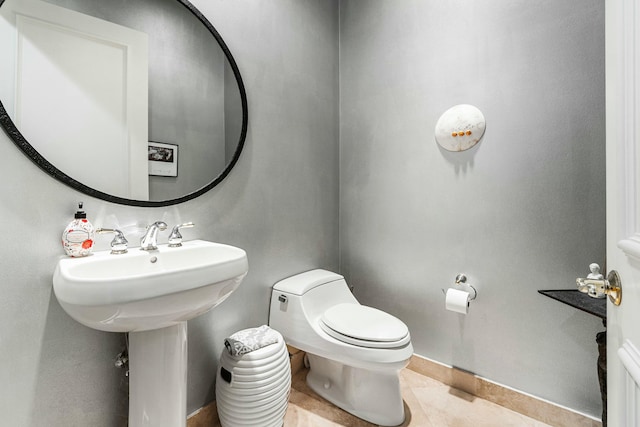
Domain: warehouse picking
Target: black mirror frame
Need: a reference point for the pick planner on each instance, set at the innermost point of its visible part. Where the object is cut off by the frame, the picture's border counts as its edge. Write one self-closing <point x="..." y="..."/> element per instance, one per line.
<point x="22" y="143"/>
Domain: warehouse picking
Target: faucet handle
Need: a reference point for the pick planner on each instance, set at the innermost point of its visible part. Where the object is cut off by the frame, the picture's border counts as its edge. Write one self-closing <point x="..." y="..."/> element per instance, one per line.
<point x="175" y="238"/>
<point x="119" y="242"/>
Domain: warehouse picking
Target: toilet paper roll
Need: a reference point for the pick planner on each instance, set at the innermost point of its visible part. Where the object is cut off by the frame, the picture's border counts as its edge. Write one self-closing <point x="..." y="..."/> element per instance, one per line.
<point x="457" y="300"/>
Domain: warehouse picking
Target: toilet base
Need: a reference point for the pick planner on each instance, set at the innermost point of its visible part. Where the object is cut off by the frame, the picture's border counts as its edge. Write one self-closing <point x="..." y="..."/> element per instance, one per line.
<point x="373" y="395"/>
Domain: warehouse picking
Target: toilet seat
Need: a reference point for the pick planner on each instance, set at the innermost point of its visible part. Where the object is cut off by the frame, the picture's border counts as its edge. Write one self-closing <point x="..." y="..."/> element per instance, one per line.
<point x="364" y="326"/>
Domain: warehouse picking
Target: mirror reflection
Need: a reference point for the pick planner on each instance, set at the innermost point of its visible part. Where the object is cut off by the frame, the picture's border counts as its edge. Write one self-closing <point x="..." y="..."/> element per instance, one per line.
<point x="135" y="99"/>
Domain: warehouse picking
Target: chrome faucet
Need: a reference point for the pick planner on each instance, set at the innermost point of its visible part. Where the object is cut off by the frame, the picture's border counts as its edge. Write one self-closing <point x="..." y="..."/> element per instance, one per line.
<point x="149" y="241"/>
<point x="119" y="242"/>
<point x="175" y="238"/>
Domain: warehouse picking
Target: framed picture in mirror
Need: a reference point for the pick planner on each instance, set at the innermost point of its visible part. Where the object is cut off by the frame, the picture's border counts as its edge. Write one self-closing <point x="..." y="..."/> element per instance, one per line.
<point x="163" y="159"/>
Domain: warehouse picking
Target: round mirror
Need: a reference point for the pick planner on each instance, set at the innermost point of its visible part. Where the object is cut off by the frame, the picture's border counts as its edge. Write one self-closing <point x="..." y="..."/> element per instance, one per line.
<point x="130" y="101"/>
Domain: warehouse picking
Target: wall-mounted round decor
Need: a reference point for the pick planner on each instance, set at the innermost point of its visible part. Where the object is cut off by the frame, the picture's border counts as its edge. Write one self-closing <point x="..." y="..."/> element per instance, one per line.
<point x="460" y="127"/>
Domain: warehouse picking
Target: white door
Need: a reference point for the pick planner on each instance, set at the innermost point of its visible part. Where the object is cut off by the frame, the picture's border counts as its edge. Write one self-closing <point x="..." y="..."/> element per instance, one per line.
<point x="623" y="209"/>
<point x="78" y="93"/>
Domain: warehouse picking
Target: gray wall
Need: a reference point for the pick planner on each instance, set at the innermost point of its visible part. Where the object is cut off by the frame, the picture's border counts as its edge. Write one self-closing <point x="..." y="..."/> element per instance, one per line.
<point x="280" y="204"/>
<point x="523" y="210"/>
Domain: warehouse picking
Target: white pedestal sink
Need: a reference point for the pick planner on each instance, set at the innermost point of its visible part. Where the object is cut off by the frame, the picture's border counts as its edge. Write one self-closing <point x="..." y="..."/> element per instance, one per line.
<point x="151" y="295"/>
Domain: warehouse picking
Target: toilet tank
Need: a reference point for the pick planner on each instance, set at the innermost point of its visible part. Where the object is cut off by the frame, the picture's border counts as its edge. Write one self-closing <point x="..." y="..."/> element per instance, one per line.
<point x="297" y="303"/>
<point x="301" y="283"/>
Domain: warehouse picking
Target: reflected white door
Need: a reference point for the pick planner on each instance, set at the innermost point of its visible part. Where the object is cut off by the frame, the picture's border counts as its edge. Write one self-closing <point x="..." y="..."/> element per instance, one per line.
<point x="623" y="209"/>
<point x="81" y="94"/>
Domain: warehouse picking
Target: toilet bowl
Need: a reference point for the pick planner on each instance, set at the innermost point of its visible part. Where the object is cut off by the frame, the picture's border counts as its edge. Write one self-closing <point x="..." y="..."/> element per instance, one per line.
<point x="355" y="352"/>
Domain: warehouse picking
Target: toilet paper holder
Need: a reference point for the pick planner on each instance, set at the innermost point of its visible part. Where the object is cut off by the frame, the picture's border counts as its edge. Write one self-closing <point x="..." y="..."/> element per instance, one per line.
<point x="461" y="282"/>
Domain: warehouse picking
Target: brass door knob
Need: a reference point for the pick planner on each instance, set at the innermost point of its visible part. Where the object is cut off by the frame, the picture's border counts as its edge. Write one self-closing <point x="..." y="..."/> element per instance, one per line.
<point x="595" y="288"/>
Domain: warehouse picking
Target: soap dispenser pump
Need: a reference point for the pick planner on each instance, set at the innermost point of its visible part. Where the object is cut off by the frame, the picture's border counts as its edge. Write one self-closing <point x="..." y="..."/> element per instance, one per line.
<point x="78" y="237"/>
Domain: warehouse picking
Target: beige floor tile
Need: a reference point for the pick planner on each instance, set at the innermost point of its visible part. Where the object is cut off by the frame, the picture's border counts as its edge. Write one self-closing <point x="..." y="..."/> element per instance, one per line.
<point x="428" y="403"/>
<point x="447" y="406"/>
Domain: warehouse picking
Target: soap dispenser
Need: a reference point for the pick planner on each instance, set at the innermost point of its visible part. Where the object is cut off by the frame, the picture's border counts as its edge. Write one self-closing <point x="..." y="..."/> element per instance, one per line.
<point x="77" y="238"/>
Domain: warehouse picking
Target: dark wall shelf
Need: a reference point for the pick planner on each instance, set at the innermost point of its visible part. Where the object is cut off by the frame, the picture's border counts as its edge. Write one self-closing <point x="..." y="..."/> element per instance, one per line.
<point x="576" y="299"/>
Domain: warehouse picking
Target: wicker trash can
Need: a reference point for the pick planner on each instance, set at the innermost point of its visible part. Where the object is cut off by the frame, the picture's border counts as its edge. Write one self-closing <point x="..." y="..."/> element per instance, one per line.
<point x="252" y="389"/>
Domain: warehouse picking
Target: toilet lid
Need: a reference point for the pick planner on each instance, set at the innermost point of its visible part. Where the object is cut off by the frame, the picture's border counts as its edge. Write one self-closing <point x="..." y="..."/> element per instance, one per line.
<point x="364" y="326"/>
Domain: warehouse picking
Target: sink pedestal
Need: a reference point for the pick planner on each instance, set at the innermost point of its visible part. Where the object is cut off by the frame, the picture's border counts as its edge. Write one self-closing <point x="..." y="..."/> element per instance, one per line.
<point x="158" y="377"/>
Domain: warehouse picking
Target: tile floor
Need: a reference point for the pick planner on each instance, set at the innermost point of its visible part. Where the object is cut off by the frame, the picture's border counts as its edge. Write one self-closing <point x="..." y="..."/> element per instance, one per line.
<point x="428" y="403"/>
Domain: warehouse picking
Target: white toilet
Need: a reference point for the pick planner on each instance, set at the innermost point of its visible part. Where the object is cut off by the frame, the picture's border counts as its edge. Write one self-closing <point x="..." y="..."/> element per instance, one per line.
<point x="355" y="352"/>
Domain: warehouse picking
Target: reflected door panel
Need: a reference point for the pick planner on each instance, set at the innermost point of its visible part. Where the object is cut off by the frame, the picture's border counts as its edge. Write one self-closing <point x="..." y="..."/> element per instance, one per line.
<point x="82" y="98"/>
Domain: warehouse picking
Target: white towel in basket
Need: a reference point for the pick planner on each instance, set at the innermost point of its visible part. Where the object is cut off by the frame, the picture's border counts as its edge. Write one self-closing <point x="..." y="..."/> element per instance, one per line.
<point x="248" y="340"/>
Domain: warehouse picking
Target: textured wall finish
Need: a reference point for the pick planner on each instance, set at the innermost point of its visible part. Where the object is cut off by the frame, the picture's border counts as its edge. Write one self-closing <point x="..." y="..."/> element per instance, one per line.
<point x="280" y="204"/>
<point x="522" y="210"/>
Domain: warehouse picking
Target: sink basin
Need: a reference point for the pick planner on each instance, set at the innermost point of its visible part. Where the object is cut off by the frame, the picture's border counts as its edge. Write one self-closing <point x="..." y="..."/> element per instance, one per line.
<point x="140" y="290"/>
